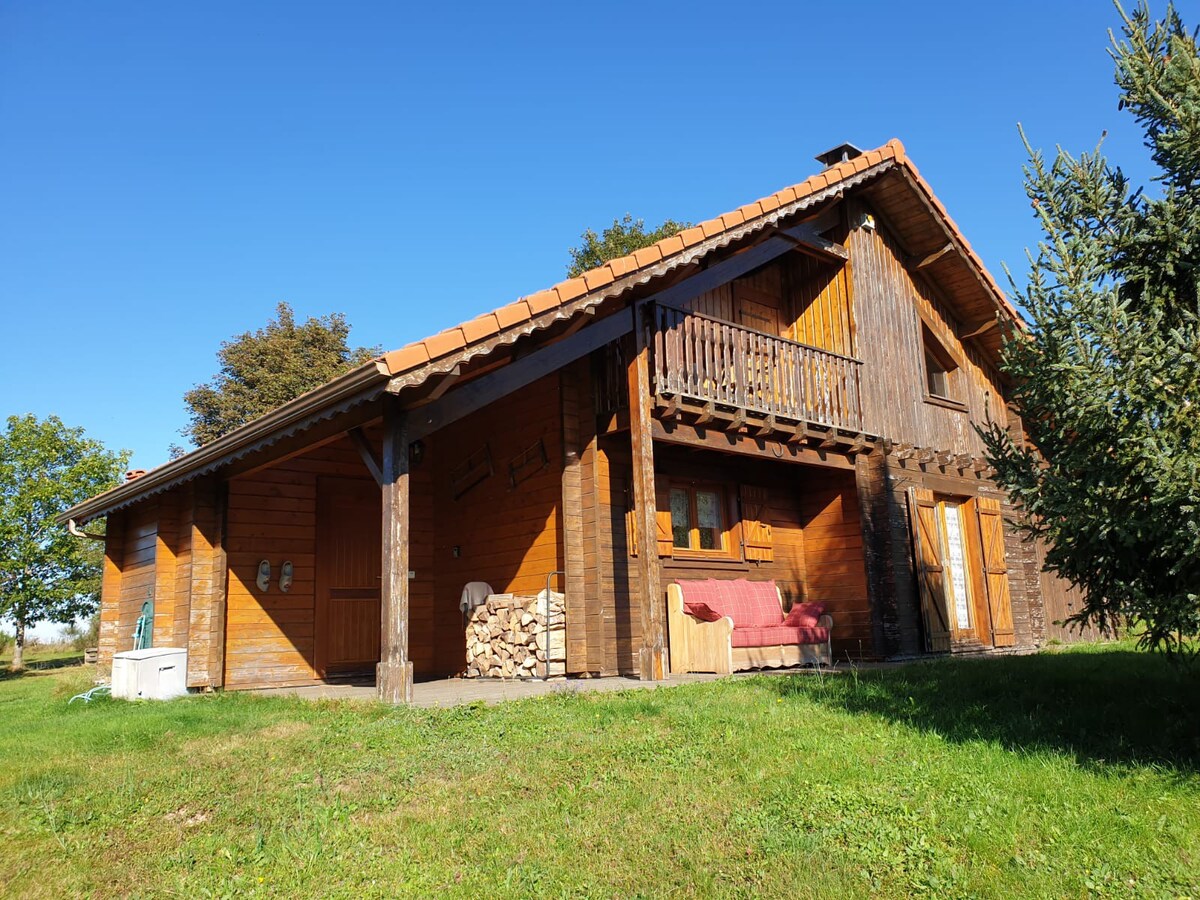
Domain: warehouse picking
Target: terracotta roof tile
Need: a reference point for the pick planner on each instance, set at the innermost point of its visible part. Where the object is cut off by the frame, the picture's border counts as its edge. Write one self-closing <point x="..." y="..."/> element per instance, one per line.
<point x="620" y="267"/>
<point x="408" y="357"/>
<point x="770" y="204"/>
<point x="513" y="314"/>
<point x="598" y="278"/>
<point x="670" y="246"/>
<point x="751" y="211"/>
<point x="445" y="342"/>
<point x="693" y="235"/>
<point x="569" y="290"/>
<point x="647" y="256"/>
<point x="712" y="227"/>
<point x="733" y="219"/>
<point x="544" y="301"/>
<point x="786" y="196"/>
<point x="480" y="328"/>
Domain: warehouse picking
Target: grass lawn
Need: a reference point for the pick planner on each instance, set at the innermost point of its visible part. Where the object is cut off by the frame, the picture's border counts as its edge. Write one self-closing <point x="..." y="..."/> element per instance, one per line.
<point x="1066" y="774"/>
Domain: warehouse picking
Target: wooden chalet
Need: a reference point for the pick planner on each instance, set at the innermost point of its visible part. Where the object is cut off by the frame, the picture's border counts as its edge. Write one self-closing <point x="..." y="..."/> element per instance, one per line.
<point x="786" y="392"/>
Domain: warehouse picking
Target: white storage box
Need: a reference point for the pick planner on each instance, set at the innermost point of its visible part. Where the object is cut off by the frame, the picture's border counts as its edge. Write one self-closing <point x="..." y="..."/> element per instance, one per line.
<point x="157" y="673"/>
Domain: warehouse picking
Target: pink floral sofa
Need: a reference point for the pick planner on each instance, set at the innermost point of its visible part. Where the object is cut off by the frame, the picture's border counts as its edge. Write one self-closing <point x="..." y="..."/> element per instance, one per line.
<point x="725" y="626"/>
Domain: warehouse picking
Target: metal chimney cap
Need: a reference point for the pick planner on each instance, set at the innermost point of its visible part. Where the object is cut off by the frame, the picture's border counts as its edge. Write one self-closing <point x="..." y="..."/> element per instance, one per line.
<point x="838" y="154"/>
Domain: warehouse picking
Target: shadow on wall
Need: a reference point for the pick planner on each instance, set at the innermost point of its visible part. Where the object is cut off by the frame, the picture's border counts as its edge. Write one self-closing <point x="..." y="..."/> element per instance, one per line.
<point x="1107" y="707"/>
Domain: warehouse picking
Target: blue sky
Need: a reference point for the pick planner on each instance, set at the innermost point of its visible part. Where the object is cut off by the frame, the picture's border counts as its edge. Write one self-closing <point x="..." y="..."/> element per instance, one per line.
<point x="170" y="172"/>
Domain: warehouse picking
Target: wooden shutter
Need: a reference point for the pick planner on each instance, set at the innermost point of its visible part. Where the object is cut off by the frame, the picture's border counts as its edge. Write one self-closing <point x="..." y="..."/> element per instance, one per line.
<point x="922" y="511"/>
<point x="756" y="523"/>
<point x="662" y="510"/>
<point x="662" y="503"/>
<point x="995" y="569"/>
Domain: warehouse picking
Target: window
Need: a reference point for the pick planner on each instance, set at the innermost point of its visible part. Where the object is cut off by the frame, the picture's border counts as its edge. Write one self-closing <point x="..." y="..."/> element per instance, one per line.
<point x="698" y="516"/>
<point x="941" y="371"/>
<point x="952" y="526"/>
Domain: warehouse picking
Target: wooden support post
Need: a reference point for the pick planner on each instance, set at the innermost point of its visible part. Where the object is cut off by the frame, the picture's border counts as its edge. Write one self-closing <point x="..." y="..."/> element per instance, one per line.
<point x="393" y="676"/>
<point x="209" y="569"/>
<point x="650" y="655"/>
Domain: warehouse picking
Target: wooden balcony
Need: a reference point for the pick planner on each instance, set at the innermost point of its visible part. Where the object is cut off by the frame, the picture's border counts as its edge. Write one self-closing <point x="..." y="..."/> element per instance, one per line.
<point x="716" y="366"/>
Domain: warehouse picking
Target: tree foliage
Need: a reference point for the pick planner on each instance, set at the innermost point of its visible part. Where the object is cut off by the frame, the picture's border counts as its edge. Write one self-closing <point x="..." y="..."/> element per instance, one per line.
<point x="263" y="369"/>
<point x="1108" y="380"/>
<point x="45" y="573"/>
<point x="624" y="237"/>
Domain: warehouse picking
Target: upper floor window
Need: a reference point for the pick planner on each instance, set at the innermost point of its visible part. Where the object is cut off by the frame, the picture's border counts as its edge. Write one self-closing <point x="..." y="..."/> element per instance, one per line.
<point x="942" y="374"/>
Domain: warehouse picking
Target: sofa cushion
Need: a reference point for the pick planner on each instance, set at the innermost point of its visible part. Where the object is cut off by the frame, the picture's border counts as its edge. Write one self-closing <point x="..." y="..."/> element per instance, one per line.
<point x="805" y="615"/>
<point x="778" y="636"/>
<point x="701" y="611"/>
<point x="751" y="604"/>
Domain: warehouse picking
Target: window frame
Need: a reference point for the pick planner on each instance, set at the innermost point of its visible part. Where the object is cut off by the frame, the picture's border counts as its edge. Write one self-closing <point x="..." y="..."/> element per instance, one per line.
<point x="730" y="549"/>
<point x="933" y="349"/>
<point x="944" y="504"/>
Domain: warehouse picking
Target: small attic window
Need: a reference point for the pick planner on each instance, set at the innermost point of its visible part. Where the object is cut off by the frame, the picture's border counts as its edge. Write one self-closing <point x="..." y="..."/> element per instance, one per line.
<point x="941" y="371"/>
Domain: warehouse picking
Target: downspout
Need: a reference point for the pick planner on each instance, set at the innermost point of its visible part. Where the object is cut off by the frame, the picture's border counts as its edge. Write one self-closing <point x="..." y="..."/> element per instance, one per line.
<point x="77" y="532"/>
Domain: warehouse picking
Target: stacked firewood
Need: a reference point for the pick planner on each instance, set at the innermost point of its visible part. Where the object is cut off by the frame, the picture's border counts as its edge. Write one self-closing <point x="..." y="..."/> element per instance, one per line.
<point x="508" y="636"/>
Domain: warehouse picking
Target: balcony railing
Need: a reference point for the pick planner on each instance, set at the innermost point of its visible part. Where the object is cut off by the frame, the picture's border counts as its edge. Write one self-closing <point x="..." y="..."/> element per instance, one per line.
<point x="699" y="358"/>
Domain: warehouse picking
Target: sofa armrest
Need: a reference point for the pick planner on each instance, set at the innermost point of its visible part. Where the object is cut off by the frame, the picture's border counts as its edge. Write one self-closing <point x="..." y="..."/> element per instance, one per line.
<point x="697" y="646"/>
<point x="826" y="621"/>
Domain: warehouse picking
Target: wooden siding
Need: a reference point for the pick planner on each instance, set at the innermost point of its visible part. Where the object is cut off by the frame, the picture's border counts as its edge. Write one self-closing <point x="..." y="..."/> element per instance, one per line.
<point x="269" y="636"/>
<point x="821" y="309"/>
<point x="890" y="305"/>
<point x="183" y="565"/>
<point x="110" y="587"/>
<point x="165" y="561"/>
<point x="137" y="570"/>
<point x="505" y="526"/>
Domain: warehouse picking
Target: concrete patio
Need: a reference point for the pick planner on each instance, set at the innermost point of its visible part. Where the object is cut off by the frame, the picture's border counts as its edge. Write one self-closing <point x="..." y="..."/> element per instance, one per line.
<point x="458" y="691"/>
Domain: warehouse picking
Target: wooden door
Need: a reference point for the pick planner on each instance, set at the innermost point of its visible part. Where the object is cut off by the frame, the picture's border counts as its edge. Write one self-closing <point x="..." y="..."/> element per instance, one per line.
<point x="927" y="557"/>
<point x="348" y="575"/>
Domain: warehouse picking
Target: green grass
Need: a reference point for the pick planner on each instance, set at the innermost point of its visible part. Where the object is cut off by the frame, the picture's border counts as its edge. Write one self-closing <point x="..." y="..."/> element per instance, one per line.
<point x="1065" y="774"/>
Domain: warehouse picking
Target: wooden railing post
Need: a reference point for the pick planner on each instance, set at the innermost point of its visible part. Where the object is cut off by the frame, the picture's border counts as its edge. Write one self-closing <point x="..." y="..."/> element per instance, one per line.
<point x="393" y="676"/>
<point x="651" y="666"/>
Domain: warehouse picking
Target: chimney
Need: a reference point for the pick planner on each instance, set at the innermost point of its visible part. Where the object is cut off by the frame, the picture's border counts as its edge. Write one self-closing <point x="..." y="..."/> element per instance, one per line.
<point x="839" y="154"/>
<point x="134" y="475"/>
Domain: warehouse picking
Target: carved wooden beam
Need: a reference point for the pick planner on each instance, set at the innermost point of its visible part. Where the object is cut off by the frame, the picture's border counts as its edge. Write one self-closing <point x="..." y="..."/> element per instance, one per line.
<point x="367" y="452"/>
<point x="768" y="426"/>
<point x="916" y="265"/>
<point x="906" y="451"/>
<point x="806" y="238"/>
<point x="707" y="415"/>
<point x="977" y="328"/>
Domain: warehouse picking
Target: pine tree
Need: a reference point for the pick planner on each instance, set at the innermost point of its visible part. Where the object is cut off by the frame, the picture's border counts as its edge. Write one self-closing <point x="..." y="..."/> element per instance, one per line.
<point x="1108" y="379"/>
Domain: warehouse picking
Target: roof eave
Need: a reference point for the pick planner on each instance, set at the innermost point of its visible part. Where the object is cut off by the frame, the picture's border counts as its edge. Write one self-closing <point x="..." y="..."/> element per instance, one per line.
<point x="359" y="385"/>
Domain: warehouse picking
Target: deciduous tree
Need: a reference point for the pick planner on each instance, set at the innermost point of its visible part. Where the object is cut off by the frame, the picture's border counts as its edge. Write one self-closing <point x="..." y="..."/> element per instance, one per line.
<point x="625" y="236"/>
<point x="263" y="369"/>
<point x="45" y="573"/>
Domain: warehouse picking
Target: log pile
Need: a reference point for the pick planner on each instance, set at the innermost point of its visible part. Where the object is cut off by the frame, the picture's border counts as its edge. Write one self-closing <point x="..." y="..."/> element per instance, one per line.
<point x="508" y="637"/>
